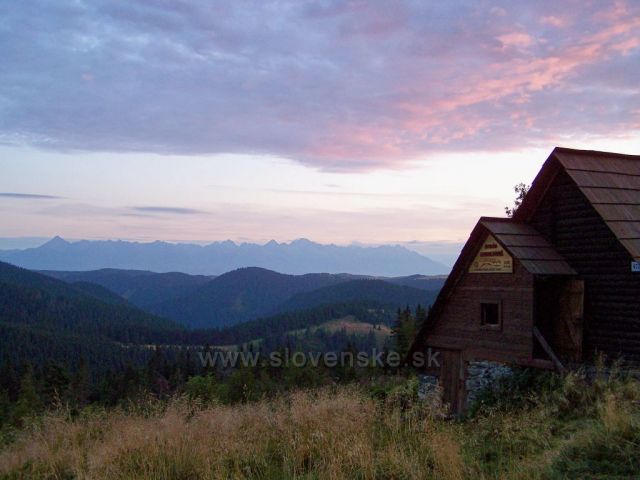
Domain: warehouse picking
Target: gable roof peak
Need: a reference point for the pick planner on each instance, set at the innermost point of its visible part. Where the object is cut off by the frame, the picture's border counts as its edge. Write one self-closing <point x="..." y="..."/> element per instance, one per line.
<point x="593" y="153"/>
<point x="610" y="182"/>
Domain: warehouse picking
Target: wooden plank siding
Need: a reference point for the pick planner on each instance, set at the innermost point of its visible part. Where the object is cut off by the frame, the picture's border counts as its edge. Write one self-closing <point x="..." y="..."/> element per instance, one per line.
<point x="566" y="218"/>
<point x="458" y="325"/>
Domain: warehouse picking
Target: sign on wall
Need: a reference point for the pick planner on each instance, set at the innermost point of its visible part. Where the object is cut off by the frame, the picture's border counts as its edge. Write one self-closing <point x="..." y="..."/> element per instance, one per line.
<point x="492" y="258"/>
<point x="635" y="266"/>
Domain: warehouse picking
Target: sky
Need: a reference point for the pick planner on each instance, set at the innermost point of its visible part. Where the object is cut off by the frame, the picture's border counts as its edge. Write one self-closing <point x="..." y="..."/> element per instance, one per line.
<point x="339" y="121"/>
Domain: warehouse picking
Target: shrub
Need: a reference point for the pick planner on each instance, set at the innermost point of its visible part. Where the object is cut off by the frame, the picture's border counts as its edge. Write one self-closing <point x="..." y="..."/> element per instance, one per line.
<point x="609" y="446"/>
<point x="523" y="389"/>
<point x="202" y="388"/>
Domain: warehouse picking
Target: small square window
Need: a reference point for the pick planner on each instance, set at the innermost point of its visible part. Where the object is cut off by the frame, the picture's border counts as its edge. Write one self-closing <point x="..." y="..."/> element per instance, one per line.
<point x="490" y="315"/>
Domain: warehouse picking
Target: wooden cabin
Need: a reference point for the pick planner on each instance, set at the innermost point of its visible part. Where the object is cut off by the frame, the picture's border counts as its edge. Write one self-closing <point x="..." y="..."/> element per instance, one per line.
<point x="550" y="287"/>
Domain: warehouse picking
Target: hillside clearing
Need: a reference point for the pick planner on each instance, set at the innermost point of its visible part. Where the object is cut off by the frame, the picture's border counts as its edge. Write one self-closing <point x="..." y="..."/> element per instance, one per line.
<point x="349" y="324"/>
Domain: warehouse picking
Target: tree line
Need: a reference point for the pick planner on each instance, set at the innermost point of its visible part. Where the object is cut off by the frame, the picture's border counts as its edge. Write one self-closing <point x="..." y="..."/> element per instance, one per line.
<point x="28" y="389"/>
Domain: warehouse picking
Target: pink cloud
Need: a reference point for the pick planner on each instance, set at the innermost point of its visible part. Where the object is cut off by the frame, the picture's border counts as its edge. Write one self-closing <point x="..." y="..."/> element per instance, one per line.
<point x="337" y="86"/>
<point x="516" y="39"/>
<point x="554" y="21"/>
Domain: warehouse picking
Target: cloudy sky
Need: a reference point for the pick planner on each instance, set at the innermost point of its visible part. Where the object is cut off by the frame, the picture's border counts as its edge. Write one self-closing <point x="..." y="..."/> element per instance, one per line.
<point x="339" y="121"/>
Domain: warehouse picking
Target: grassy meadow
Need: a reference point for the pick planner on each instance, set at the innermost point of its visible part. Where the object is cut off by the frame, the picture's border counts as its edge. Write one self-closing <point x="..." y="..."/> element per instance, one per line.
<point x="530" y="427"/>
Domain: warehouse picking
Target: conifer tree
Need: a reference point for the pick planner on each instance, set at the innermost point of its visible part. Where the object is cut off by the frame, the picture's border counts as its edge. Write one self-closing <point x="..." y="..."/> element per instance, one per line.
<point x="55" y="383"/>
<point x="404" y="331"/>
<point x="9" y="379"/>
<point x="29" y="402"/>
<point x="5" y="407"/>
<point x="421" y="317"/>
<point x="79" y="384"/>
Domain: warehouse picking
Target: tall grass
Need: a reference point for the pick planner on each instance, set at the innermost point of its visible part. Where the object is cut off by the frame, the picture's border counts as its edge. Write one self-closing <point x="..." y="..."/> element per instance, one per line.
<point x="574" y="429"/>
<point x="314" y="434"/>
<point x="576" y="426"/>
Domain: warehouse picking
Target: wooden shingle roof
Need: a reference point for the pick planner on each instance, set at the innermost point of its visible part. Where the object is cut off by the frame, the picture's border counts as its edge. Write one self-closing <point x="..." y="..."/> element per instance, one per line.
<point x="609" y="181"/>
<point x="524" y="242"/>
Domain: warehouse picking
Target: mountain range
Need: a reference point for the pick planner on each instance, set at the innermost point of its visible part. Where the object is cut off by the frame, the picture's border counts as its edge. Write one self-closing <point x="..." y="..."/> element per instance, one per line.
<point x="246" y="294"/>
<point x="46" y="319"/>
<point x="298" y="257"/>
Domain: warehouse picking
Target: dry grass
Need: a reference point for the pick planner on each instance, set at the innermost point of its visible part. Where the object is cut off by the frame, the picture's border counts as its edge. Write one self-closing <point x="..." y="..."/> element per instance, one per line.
<point x="578" y="430"/>
<point x="318" y="434"/>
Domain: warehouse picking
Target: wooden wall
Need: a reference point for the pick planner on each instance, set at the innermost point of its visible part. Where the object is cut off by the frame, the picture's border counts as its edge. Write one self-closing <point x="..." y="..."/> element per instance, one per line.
<point x="612" y="291"/>
<point x="459" y="327"/>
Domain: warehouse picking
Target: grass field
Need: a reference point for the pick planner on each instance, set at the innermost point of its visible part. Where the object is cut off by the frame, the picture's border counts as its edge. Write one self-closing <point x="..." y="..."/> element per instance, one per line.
<point x="350" y="324"/>
<point x="565" y="428"/>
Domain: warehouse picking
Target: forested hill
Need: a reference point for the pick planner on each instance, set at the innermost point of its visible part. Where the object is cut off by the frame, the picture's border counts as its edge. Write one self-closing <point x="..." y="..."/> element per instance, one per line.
<point x="250" y="293"/>
<point x="272" y="330"/>
<point x="240" y="295"/>
<point x="140" y="287"/>
<point x="99" y="292"/>
<point x="371" y="291"/>
<point x="46" y="319"/>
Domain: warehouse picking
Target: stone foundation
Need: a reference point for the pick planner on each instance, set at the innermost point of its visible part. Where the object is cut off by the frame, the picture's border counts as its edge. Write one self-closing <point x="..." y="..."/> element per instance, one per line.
<point x="481" y="375"/>
<point x="428" y="385"/>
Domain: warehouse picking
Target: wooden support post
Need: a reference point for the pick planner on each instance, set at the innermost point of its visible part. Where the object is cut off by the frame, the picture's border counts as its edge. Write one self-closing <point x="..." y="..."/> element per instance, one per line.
<point x="547" y="348"/>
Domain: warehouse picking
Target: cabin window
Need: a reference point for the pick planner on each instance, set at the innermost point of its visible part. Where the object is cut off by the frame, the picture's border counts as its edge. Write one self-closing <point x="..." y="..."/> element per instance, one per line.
<point x="490" y="315"/>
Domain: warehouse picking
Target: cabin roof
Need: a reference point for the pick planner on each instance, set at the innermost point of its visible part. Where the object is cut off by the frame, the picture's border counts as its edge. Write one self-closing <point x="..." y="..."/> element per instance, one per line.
<point x="609" y="181"/>
<point x="524" y="242"/>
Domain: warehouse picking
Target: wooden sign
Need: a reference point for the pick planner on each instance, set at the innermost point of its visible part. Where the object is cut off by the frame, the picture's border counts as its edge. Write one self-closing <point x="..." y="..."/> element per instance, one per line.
<point x="492" y="258"/>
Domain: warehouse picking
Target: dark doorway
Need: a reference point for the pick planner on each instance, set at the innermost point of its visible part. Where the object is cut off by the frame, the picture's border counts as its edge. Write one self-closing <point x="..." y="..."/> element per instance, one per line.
<point x="559" y="316"/>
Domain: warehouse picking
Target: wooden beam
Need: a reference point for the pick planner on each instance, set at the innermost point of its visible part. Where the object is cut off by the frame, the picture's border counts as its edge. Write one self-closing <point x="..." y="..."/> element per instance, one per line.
<point x="547" y="348"/>
<point x="537" y="363"/>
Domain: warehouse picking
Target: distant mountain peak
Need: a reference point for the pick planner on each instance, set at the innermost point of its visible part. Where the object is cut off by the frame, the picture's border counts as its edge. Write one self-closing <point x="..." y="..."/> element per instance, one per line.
<point x="56" y="242"/>
<point x="224" y="243"/>
<point x="303" y="241"/>
<point x="252" y="271"/>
